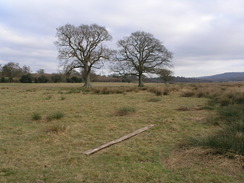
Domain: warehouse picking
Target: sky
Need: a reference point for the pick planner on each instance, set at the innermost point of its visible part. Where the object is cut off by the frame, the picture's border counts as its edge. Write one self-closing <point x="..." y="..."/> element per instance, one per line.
<point x="205" y="36"/>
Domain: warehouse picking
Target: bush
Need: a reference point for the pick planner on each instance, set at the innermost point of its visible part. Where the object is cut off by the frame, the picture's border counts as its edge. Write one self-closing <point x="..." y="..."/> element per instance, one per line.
<point x="41" y="79"/>
<point x="26" y="78"/>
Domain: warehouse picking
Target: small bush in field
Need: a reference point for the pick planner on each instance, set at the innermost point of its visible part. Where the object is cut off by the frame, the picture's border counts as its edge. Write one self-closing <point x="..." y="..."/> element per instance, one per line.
<point x="125" y="111"/>
<point x="36" y="116"/>
<point x="56" y="115"/>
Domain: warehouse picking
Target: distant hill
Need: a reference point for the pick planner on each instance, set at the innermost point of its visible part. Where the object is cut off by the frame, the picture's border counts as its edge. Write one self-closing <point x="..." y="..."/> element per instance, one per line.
<point x="225" y="77"/>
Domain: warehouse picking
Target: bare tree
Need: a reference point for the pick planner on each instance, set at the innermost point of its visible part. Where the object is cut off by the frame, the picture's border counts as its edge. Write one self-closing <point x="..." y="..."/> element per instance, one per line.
<point x="165" y="74"/>
<point x="141" y="53"/>
<point x="81" y="47"/>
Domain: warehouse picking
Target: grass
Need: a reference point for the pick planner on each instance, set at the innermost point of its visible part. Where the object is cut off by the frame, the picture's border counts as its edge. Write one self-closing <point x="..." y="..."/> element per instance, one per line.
<point x="36" y="116"/>
<point x="52" y="152"/>
<point x="55" y="115"/>
<point x="123" y="111"/>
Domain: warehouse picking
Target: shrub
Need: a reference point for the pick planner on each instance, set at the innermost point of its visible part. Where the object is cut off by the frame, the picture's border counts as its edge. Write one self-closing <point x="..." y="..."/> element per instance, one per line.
<point x="26" y="78"/>
<point x="125" y="111"/>
<point x="36" y="116"/>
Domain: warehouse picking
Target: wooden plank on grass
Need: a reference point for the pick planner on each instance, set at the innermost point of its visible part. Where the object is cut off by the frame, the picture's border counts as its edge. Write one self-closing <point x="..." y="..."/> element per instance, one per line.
<point x="91" y="151"/>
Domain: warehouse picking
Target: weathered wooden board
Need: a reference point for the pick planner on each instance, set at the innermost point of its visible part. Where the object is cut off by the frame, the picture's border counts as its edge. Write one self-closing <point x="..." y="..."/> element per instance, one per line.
<point x="91" y="151"/>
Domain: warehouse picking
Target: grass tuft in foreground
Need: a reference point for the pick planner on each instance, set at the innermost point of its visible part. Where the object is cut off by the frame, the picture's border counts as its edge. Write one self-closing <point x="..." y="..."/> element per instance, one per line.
<point x="231" y="137"/>
<point x="123" y="111"/>
<point x="55" y="115"/>
<point x="36" y="116"/>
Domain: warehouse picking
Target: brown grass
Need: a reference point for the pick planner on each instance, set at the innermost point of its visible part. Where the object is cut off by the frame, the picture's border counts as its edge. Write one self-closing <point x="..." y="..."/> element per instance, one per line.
<point x="206" y="159"/>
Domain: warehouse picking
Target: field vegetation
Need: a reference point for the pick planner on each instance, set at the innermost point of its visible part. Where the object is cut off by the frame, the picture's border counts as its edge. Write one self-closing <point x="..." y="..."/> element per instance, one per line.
<point x="198" y="134"/>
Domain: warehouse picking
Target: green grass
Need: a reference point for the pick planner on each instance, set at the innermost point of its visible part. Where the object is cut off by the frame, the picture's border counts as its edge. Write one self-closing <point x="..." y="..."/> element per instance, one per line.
<point x="52" y="151"/>
<point x="55" y="115"/>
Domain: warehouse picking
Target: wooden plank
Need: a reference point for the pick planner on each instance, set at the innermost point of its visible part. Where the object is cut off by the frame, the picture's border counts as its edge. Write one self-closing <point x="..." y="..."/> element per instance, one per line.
<point x="91" y="151"/>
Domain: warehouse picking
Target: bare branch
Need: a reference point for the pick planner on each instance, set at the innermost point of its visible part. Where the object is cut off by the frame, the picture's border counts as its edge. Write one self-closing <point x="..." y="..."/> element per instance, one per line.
<point x="141" y="53"/>
<point x="81" y="47"/>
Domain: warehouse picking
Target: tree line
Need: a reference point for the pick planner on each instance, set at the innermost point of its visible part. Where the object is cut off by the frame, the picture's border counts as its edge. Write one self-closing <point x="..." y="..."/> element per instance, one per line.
<point x="13" y="72"/>
<point x="82" y="48"/>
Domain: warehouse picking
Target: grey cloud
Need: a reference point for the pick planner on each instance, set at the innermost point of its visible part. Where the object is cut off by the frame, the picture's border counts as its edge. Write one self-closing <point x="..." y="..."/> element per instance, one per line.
<point x="205" y="36"/>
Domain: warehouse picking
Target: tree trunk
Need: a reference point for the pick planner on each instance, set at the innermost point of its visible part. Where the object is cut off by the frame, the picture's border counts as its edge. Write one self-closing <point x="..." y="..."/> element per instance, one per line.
<point x="87" y="79"/>
<point x="140" y="80"/>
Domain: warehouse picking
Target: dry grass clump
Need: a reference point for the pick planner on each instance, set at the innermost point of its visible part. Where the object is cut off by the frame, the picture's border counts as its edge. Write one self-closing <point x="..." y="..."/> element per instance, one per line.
<point x="154" y="99"/>
<point x="187" y="93"/>
<point x="114" y="90"/>
<point x="36" y="116"/>
<point x="55" y="115"/>
<point x="156" y="90"/>
<point x="205" y="158"/>
<point x="56" y="129"/>
<point x="123" y="111"/>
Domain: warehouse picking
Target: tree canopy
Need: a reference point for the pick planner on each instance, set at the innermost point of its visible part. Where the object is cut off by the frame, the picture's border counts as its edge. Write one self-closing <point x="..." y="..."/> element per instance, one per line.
<point x="82" y="47"/>
<point x="141" y="53"/>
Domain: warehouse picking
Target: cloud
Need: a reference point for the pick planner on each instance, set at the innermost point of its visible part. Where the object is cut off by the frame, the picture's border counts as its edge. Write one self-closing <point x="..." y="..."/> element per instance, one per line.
<point x="205" y="36"/>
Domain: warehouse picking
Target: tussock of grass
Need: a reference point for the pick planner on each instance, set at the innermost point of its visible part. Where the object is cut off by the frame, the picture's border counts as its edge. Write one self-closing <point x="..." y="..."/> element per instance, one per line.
<point x="154" y="99"/>
<point x="123" y="111"/>
<point x="56" y="129"/>
<point x="56" y="115"/>
<point x="187" y="93"/>
<point x="231" y="137"/>
<point x="36" y="116"/>
<point x="158" y="91"/>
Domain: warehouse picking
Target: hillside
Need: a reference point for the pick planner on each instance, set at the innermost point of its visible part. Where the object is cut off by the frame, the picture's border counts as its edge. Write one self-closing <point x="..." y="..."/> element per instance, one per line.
<point x="228" y="76"/>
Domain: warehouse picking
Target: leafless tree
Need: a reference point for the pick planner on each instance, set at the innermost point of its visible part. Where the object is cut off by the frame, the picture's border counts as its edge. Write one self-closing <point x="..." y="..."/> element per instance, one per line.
<point x="141" y="53"/>
<point x="165" y="74"/>
<point x="81" y="47"/>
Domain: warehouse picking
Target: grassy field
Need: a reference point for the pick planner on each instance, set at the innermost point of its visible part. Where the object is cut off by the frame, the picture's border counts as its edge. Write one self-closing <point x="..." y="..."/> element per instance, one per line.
<point x="45" y="128"/>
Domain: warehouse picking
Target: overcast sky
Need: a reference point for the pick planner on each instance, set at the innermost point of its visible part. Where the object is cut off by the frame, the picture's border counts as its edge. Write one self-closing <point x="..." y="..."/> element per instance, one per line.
<point x="206" y="36"/>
